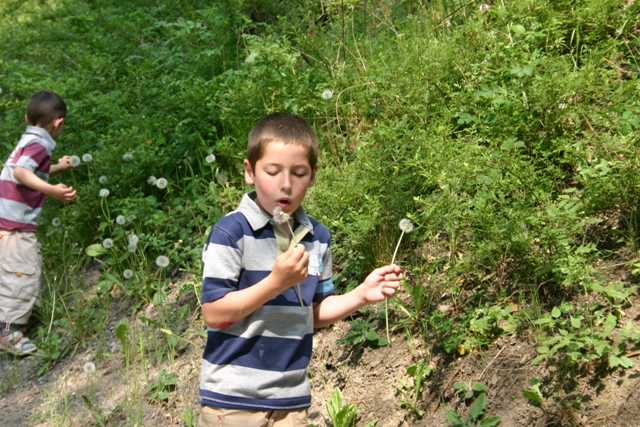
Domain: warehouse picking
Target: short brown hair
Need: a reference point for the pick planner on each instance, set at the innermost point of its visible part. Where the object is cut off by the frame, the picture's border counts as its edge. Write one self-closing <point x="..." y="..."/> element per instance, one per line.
<point x="283" y="127"/>
<point x="44" y="107"/>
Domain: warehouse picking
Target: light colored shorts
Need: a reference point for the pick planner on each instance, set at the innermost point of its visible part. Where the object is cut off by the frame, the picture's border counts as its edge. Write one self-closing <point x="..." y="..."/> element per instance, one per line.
<point x="20" y="268"/>
<point x="222" y="417"/>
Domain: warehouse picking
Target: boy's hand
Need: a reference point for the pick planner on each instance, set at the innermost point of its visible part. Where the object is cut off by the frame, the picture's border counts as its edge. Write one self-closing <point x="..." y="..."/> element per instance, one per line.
<point x="381" y="283"/>
<point x="291" y="267"/>
<point x="63" y="163"/>
<point x="62" y="192"/>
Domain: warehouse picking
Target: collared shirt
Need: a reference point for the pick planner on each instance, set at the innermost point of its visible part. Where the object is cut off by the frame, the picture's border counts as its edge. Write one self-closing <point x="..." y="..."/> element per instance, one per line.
<point x="20" y="206"/>
<point x="260" y="361"/>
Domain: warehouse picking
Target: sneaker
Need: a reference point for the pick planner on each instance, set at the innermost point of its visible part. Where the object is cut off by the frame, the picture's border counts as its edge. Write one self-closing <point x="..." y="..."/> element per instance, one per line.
<point x="16" y="343"/>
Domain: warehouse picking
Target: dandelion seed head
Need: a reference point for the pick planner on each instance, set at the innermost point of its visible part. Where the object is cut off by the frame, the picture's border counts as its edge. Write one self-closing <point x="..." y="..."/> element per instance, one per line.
<point x="210" y="158"/>
<point x="89" y="368"/>
<point x="152" y="180"/>
<point x="132" y="247"/>
<point x="127" y="157"/>
<point x="87" y="157"/>
<point x="103" y="179"/>
<point x="327" y="94"/>
<point x="406" y="225"/>
<point x="162" y="261"/>
<point x="127" y="274"/>
<point x="131" y="218"/>
<point x="107" y="243"/>
<point x="161" y="183"/>
<point x="56" y="222"/>
<point x="133" y="239"/>
<point x="49" y="232"/>
<point x="74" y="161"/>
<point x="120" y="219"/>
<point x="104" y="192"/>
<point x="280" y="216"/>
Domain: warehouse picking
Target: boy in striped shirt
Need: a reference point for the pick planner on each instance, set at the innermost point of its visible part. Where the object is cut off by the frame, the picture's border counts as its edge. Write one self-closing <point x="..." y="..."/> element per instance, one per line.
<point x="267" y="284"/>
<point x="23" y="189"/>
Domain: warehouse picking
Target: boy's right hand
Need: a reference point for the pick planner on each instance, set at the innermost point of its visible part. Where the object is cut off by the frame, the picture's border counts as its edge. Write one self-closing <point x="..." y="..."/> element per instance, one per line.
<point x="62" y="192"/>
<point x="291" y="267"/>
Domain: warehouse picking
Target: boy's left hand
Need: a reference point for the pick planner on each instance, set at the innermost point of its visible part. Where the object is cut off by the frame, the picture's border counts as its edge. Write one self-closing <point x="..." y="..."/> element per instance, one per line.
<point x="381" y="283"/>
<point x="64" y="163"/>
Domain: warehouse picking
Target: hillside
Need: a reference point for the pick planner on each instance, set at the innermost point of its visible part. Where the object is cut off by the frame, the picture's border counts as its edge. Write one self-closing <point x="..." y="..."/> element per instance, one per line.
<point x="506" y="131"/>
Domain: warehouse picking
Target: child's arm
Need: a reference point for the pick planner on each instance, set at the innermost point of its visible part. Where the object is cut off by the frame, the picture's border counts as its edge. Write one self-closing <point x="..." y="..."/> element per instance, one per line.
<point x="63" y="163"/>
<point x="381" y="283"/>
<point x="289" y="269"/>
<point x="31" y="180"/>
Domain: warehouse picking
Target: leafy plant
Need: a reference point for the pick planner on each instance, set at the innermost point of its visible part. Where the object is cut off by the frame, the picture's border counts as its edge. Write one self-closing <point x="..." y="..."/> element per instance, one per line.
<point x="475" y="418"/>
<point x="160" y="388"/>
<point x="342" y="414"/>
<point x="362" y="334"/>
<point x="412" y="393"/>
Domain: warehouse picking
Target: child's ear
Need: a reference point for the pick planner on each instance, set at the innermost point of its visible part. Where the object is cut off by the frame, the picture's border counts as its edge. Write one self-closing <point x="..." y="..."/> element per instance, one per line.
<point x="313" y="176"/>
<point x="248" y="172"/>
<point x="57" y="123"/>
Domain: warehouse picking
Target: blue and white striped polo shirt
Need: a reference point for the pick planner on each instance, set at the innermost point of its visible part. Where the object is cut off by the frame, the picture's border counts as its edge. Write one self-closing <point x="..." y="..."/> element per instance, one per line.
<point x="260" y="362"/>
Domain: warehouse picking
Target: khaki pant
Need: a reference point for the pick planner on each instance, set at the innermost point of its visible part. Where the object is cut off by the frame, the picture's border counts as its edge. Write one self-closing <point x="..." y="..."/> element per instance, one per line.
<point x="20" y="267"/>
<point x="221" y="417"/>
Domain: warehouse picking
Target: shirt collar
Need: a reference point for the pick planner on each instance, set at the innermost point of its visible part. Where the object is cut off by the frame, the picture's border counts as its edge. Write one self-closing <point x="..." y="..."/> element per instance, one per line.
<point x="258" y="218"/>
<point x="41" y="133"/>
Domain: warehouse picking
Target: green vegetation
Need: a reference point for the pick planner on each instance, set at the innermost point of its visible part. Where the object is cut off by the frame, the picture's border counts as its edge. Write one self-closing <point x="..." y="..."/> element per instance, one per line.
<point x="507" y="132"/>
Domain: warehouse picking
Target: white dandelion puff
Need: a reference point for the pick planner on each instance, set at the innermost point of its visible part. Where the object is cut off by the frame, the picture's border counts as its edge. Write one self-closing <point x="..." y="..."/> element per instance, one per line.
<point x="131" y="218"/>
<point x="74" y="161"/>
<point x="280" y="216"/>
<point x="406" y="225"/>
<point x="210" y="158"/>
<point x="89" y="368"/>
<point x="87" y="157"/>
<point x="327" y="94"/>
<point x="103" y="179"/>
<point x="152" y="180"/>
<point x="132" y="247"/>
<point x="120" y="219"/>
<point x="104" y="192"/>
<point x="133" y="239"/>
<point x="107" y="243"/>
<point x="161" y="183"/>
<point x="162" y="261"/>
<point x="50" y="231"/>
<point x="127" y="157"/>
<point x="127" y="274"/>
<point x="56" y="222"/>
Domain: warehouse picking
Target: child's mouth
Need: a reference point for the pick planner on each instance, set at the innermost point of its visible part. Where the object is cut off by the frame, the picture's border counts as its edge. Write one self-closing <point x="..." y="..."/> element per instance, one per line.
<point x="283" y="204"/>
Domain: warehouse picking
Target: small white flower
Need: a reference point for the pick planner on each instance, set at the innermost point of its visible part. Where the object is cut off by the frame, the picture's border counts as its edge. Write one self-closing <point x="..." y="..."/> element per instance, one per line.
<point x="133" y="239"/>
<point x="74" y="161"/>
<point x="56" y="222"/>
<point x="210" y="158"/>
<point x="103" y="179"/>
<point x="120" y="219"/>
<point x="162" y="261"/>
<point x="87" y="157"/>
<point x="127" y="157"/>
<point x="327" y="94"/>
<point x="104" y="192"/>
<point x="89" y="368"/>
<point x="131" y="247"/>
<point x="107" y="243"/>
<point x="406" y="225"/>
<point x="161" y="183"/>
<point x="280" y="216"/>
<point x="127" y="274"/>
<point x="152" y="180"/>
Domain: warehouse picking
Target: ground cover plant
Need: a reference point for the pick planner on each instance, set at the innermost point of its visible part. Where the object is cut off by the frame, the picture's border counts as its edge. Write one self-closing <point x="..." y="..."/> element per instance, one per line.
<point x="505" y="131"/>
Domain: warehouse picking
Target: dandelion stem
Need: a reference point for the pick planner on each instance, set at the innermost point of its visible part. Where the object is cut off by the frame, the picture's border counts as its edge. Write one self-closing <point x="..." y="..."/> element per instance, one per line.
<point x="293" y="237"/>
<point x="386" y="298"/>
